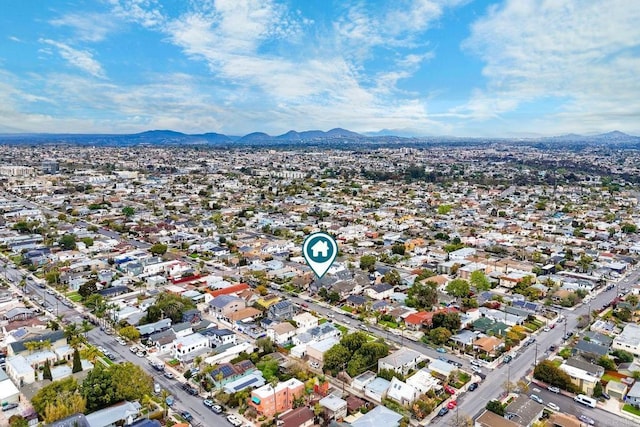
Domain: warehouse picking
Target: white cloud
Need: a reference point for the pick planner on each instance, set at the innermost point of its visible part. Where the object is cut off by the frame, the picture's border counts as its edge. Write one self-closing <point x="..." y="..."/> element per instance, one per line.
<point x="81" y="59"/>
<point x="582" y="56"/>
<point x="91" y="27"/>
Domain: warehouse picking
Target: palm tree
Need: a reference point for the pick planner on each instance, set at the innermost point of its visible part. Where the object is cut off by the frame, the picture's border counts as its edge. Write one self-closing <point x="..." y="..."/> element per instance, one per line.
<point x="164" y="394"/>
<point x="90" y="353"/>
<point x="148" y="403"/>
<point x="86" y="327"/>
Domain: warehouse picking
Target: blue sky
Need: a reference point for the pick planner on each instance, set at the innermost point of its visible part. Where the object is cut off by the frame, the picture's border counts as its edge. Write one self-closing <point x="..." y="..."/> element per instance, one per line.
<point x="415" y="67"/>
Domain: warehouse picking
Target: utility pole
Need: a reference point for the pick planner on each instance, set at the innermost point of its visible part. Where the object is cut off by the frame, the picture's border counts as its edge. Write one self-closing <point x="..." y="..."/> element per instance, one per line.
<point x="535" y="362"/>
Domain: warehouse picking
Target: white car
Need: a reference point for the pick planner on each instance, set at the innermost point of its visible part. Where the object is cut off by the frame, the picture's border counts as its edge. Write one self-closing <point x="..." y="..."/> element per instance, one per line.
<point x="547" y="329"/>
<point x="553" y="406"/>
<point x="234" y="420"/>
<point x="476" y="369"/>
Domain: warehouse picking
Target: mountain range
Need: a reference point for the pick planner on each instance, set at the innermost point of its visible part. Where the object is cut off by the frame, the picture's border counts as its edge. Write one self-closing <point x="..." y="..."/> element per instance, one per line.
<point x="333" y="137"/>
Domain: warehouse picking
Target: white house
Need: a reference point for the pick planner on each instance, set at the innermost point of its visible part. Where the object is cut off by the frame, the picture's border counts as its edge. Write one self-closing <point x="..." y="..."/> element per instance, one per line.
<point x="185" y="345"/>
<point x="281" y="333"/>
<point x="628" y="340"/>
<point x="20" y="371"/>
<point x="402" y="392"/>
<point x="305" y="321"/>
<point x="401" y="361"/>
<point x="423" y="381"/>
<point x="379" y="292"/>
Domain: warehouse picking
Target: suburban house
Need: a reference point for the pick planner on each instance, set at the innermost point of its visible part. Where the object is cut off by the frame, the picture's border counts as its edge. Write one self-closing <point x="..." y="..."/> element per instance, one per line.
<point x="378" y="416"/>
<point x="488" y="344"/>
<point x="334" y="408"/>
<point x="225" y="373"/>
<point x="423" y="381"/>
<point x="401" y="361"/>
<point x="379" y="292"/>
<point x="633" y="395"/>
<point x="223" y="306"/>
<point x="317" y="349"/>
<point x="583" y="374"/>
<point x="376" y="390"/>
<point x="524" y="410"/>
<point x="305" y="321"/>
<point x="628" y="340"/>
<point x="299" y="417"/>
<point x="402" y="392"/>
<point x="281" y="333"/>
<point x="182" y="347"/>
<point x="282" y="310"/>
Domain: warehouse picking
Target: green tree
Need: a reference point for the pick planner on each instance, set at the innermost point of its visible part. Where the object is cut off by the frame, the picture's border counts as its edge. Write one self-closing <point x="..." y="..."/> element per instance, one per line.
<point x="158" y="249"/>
<point x="440" y="335"/>
<point x="354" y="341"/>
<point x="480" y="281"/>
<point x="68" y="242"/>
<point x="128" y="211"/>
<point x="458" y="288"/>
<point x="607" y="363"/>
<point x="496" y="407"/>
<point x="392" y="277"/>
<point x="597" y="390"/>
<point x="336" y="358"/>
<point x="88" y="288"/>
<point x="627" y="227"/>
<point x="450" y="321"/>
<point x="266" y="345"/>
<point x="269" y="368"/>
<point x="88" y="241"/>
<point x="16" y="420"/>
<point x="105" y="386"/>
<point x="77" y="364"/>
<point x="546" y="371"/>
<point x="368" y="262"/>
<point x="422" y="296"/>
<point x="622" y="356"/>
<point x="388" y="374"/>
<point x="398" y="249"/>
<point x="46" y="372"/>
<point x="48" y="394"/>
<point x="130" y="333"/>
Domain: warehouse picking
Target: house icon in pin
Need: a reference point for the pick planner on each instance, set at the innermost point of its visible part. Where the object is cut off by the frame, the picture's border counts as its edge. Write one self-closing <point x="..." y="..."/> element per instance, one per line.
<point x="320" y="249"/>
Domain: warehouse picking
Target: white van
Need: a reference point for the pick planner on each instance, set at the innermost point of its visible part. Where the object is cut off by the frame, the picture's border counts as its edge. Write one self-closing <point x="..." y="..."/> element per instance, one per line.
<point x="156" y="388"/>
<point x="585" y="400"/>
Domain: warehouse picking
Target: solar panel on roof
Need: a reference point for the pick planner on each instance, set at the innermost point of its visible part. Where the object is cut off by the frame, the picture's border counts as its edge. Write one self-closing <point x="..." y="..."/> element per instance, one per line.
<point x="246" y="383"/>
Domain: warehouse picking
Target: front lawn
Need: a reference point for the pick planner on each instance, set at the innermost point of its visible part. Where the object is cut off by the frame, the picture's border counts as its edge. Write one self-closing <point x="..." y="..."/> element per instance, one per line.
<point x="631" y="409"/>
<point x="74" y="296"/>
<point x="389" y="324"/>
<point x="343" y="329"/>
<point x="347" y="308"/>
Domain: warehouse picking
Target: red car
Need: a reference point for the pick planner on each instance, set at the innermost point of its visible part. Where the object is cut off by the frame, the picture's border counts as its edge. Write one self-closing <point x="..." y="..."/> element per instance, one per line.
<point x="449" y="389"/>
<point x="452" y="404"/>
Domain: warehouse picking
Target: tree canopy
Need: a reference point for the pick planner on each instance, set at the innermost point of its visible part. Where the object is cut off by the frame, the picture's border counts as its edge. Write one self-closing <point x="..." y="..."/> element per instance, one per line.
<point x="479" y="280"/>
<point x="422" y="296"/>
<point x="105" y="386"/>
<point x="367" y="262"/>
<point x="158" y="249"/>
<point x="68" y="242"/>
<point x="458" y="288"/>
<point x="546" y="371"/>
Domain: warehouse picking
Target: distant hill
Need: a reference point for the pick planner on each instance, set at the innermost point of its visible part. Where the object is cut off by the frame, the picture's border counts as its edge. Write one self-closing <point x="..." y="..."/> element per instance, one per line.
<point x="337" y="137"/>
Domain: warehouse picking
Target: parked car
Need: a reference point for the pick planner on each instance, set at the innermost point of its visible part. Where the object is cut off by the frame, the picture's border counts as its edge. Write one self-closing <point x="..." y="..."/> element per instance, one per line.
<point x="552" y="348"/>
<point x="234" y="420"/>
<point x="443" y="411"/>
<point x="208" y="403"/>
<point x="217" y="409"/>
<point x="156" y="388"/>
<point x="473" y="386"/>
<point x="553" y="406"/>
<point x="476" y="369"/>
<point x="9" y="406"/>
<point x="507" y="359"/>
<point x="546" y="329"/>
<point x="441" y="350"/>
<point x="186" y="415"/>
<point x="449" y="389"/>
<point x="169" y="400"/>
<point x="476" y="362"/>
<point x="452" y="404"/>
<point x="535" y="398"/>
<point x="168" y="374"/>
<point x="553" y="389"/>
<point x="587" y="420"/>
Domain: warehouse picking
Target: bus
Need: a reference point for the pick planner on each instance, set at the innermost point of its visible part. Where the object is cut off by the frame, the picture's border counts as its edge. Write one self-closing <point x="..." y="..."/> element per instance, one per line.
<point x="585" y="400"/>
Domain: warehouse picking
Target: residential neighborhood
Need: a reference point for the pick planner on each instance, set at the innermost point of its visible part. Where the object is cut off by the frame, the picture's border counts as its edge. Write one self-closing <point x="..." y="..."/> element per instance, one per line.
<point x="471" y="287"/>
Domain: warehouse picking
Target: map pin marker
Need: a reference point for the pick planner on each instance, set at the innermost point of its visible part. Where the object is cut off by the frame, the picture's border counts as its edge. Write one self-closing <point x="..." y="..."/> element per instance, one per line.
<point x="320" y="250"/>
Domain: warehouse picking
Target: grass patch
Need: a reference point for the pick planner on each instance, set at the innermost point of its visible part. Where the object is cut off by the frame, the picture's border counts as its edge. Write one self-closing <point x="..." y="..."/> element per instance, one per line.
<point x="531" y="326"/>
<point x="347" y="309"/>
<point x="392" y="325"/>
<point x="74" y="296"/>
<point x="194" y="256"/>
<point x="322" y="321"/>
<point x="342" y="329"/>
<point x="609" y="377"/>
<point x="556" y="362"/>
<point x="631" y="409"/>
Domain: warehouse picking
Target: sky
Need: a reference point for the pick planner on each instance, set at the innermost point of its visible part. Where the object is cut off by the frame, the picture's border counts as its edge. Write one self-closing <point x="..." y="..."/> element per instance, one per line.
<point x="505" y="68"/>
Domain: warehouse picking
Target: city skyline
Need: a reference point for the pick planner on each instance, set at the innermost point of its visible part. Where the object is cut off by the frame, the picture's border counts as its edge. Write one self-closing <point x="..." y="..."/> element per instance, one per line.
<point x="421" y="68"/>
